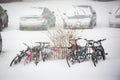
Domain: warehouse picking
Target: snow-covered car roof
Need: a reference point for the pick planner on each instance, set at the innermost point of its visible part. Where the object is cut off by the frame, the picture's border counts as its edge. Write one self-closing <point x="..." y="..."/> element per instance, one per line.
<point x="34" y="11"/>
<point x="79" y="10"/>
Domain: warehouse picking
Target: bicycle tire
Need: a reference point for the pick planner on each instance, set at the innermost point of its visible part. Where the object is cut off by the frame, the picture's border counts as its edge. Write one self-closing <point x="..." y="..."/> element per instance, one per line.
<point x="99" y="54"/>
<point x="94" y="59"/>
<point x="83" y="56"/>
<point x="28" y="60"/>
<point x="36" y="58"/>
<point x="42" y="56"/>
<point x="69" y="61"/>
<point x="104" y="56"/>
<point x="15" y="59"/>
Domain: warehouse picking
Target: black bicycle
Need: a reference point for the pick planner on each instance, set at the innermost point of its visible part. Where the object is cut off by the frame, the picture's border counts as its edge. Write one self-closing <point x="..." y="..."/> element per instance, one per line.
<point x="78" y="53"/>
<point x="98" y="51"/>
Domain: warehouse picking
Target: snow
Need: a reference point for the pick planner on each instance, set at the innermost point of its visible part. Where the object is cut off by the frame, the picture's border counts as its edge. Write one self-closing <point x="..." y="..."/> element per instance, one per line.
<point x="13" y="40"/>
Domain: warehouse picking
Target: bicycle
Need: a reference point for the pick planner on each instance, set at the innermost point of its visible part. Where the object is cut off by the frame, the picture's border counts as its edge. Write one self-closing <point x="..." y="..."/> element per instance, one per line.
<point x="33" y="54"/>
<point x="45" y="51"/>
<point x="78" y="54"/>
<point x="98" y="51"/>
<point x="18" y="58"/>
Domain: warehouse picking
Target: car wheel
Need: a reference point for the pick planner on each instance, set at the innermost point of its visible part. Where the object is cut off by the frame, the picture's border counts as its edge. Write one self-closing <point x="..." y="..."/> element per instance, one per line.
<point x="6" y="24"/>
<point x="0" y="25"/>
<point x="91" y="25"/>
<point x="95" y="24"/>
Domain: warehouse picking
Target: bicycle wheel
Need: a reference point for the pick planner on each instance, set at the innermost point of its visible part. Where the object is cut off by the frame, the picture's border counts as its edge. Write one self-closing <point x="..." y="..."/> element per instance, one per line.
<point x="94" y="59"/>
<point x="28" y="60"/>
<point x="99" y="54"/>
<point x="15" y="61"/>
<point x="104" y="56"/>
<point x="82" y="57"/>
<point x="70" y="60"/>
<point x="43" y="56"/>
<point x="36" y="58"/>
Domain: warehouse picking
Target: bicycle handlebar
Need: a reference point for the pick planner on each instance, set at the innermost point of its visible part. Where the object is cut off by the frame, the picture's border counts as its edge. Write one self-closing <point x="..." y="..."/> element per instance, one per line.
<point x="88" y="40"/>
<point x="91" y="42"/>
<point x="26" y="44"/>
<point x="43" y="42"/>
<point x="75" y="39"/>
<point x="102" y="40"/>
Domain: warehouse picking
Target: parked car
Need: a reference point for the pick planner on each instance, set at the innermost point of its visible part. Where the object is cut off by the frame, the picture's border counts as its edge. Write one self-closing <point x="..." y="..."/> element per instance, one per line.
<point x="37" y="18"/>
<point x="114" y="18"/>
<point x="80" y="16"/>
<point x="5" y="1"/>
<point x="3" y="18"/>
<point x="103" y="0"/>
<point x="0" y="43"/>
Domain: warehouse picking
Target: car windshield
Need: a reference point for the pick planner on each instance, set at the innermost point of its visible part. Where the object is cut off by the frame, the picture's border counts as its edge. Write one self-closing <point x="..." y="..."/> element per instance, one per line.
<point x="34" y="11"/>
<point x="79" y="12"/>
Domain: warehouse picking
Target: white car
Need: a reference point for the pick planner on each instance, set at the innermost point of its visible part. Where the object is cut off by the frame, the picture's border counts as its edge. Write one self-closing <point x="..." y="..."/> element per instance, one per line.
<point x="37" y="18"/>
<point x="80" y="16"/>
<point x="114" y="18"/>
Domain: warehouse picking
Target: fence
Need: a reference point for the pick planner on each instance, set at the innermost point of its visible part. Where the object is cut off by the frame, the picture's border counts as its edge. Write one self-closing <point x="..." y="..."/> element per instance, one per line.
<point x="59" y="52"/>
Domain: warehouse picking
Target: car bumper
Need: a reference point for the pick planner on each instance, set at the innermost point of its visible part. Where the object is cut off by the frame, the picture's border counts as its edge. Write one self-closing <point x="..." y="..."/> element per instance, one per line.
<point x="114" y="25"/>
<point x="36" y="26"/>
<point x="77" y="26"/>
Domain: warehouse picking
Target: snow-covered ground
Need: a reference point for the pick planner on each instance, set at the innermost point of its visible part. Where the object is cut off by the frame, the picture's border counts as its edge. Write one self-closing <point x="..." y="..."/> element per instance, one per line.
<point x="58" y="69"/>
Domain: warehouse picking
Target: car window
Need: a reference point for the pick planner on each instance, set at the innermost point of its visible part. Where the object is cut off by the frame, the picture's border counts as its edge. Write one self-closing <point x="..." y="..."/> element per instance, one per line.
<point x="33" y="11"/>
<point x="82" y="11"/>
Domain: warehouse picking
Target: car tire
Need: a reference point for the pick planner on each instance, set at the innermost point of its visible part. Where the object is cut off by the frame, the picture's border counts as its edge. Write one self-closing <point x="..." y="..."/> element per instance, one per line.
<point x="0" y="25"/>
<point x="91" y="25"/>
<point x="6" y="24"/>
<point x="95" y="24"/>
